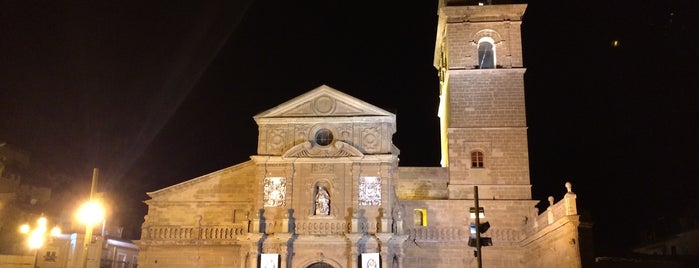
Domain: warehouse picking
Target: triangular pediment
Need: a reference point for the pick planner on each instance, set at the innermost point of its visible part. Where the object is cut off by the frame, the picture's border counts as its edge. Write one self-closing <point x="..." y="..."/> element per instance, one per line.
<point x="323" y="101"/>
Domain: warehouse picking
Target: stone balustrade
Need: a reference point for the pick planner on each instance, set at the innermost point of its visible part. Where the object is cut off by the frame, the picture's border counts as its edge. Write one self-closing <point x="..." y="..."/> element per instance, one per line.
<point x="225" y="232"/>
<point x="322" y="227"/>
<point x="437" y="234"/>
<point x="556" y="210"/>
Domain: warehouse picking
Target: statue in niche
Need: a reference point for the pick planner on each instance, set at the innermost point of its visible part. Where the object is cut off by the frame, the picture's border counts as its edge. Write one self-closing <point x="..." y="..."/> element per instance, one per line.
<point x="322" y="202"/>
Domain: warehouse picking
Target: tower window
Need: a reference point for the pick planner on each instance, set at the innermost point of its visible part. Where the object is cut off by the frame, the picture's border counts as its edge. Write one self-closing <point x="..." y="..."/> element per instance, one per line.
<point x="486" y="53"/>
<point x="476" y="159"/>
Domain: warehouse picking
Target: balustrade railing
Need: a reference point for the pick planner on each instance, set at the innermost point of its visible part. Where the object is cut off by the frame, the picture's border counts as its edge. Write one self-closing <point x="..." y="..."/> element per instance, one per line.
<point x="321" y="227"/>
<point x="195" y="232"/>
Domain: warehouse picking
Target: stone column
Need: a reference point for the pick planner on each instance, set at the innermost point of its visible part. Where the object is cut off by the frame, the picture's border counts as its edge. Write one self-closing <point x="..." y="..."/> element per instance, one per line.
<point x="354" y="250"/>
<point x="244" y="255"/>
<point x="384" y="249"/>
<point x="253" y="252"/>
<point x="397" y="241"/>
<point x="253" y="256"/>
<point x="284" y="245"/>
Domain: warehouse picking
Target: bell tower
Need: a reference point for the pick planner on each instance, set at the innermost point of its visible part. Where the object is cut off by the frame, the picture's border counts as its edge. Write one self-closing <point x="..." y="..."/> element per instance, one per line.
<point x="478" y="55"/>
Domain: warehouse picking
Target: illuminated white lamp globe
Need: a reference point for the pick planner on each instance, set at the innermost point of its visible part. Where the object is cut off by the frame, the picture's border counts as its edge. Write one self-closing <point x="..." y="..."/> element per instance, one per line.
<point x="91" y="213"/>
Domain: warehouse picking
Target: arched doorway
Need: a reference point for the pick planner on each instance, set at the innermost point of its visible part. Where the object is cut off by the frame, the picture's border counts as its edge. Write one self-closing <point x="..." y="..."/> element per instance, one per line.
<point x="320" y="265"/>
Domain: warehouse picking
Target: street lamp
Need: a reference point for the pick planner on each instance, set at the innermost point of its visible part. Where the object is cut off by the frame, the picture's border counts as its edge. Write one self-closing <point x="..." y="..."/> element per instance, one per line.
<point x="477" y="228"/>
<point x="37" y="236"/>
<point x="90" y="213"/>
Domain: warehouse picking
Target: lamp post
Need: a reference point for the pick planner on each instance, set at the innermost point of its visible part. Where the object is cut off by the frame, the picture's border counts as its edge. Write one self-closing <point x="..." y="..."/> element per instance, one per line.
<point x="90" y="214"/>
<point x="477" y="228"/>
<point x="37" y="236"/>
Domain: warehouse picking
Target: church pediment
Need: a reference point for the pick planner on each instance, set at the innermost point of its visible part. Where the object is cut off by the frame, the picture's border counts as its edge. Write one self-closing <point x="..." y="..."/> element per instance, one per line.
<point x="323" y="101"/>
<point x="308" y="149"/>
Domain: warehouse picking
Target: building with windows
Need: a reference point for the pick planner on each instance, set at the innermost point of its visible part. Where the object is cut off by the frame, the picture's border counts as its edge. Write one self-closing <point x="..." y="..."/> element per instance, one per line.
<point x="326" y="189"/>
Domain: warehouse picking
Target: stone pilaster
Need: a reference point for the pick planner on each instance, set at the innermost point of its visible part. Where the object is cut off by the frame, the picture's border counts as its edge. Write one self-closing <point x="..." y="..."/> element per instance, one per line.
<point x="253" y="252"/>
<point x="284" y="244"/>
<point x="384" y="249"/>
<point x="354" y="250"/>
<point x="397" y="243"/>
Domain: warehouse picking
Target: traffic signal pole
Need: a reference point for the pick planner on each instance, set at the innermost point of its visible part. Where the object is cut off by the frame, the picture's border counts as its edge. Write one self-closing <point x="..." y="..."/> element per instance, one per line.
<point x="478" y="223"/>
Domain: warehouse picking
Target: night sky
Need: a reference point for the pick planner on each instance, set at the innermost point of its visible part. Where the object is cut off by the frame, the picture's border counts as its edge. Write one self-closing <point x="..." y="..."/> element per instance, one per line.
<point x="158" y="92"/>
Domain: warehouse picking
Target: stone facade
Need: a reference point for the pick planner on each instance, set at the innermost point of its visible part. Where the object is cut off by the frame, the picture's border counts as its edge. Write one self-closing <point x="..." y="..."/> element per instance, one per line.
<point x="325" y="187"/>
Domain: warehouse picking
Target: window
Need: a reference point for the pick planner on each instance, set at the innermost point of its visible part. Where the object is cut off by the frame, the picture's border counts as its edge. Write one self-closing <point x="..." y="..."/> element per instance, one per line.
<point x="476" y="159"/>
<point x="486" y="53"/>
<point x="324" y="137"/>
<point x="420" y="217"/>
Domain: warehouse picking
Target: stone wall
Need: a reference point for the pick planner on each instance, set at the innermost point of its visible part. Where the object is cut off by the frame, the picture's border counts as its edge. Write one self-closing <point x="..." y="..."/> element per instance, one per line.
<point x="187" y="256"/>
<point x="422" y="183"/>
<point x="487" y="98"/>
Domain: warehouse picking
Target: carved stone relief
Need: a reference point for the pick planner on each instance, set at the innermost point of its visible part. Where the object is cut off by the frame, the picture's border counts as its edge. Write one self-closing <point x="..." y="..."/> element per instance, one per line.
<point x="276" y="140"/>
<point x="308" y="149"/>
<point x="371" y="139"/>
<point x="369" y="191"/>
<point x="345" y="133"/>
<point x="275" y="192"/>
<point x="301" y="133"/>
<point x="324" y="105"/>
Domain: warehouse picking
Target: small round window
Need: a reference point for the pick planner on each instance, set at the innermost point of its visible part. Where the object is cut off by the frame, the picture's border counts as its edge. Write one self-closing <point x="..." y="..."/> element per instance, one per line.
<point x="324" y="137"/>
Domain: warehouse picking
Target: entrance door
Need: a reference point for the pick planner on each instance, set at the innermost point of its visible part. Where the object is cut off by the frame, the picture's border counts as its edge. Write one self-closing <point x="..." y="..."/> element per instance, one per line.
<point x="320" y="265"/>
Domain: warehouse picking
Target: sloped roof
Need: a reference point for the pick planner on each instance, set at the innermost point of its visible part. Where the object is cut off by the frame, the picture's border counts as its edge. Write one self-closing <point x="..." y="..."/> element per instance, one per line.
<point x="323" y="101"/>
<point x="178" y="188"/>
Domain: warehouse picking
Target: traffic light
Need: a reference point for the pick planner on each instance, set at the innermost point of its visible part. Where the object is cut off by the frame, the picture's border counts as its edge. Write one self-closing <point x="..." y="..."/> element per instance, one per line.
<point x="482" y="228"/>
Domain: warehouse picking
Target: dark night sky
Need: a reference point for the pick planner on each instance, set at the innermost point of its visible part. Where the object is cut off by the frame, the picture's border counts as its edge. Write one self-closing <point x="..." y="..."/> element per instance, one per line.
<point x="155" y="93"/>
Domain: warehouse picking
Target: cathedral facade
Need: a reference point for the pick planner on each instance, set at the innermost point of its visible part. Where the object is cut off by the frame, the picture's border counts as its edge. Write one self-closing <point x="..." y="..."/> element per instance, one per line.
<point x="325" y="188"/>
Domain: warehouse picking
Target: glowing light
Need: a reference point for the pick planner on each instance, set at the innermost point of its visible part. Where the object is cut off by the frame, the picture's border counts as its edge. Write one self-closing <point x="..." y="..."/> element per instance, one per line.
<point x="41" y="221"/>
<point x="480" y="215"/>
<point x="55" y="231"/>
<point x="615" y="43"/>
<point x="24" y="228"/>
<point x="472" y="213"/>
<point x="36" y="239"/>
<point x="91" y="213"/>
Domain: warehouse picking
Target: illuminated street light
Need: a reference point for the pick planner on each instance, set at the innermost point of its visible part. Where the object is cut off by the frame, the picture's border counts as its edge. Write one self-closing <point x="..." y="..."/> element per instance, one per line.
<point x="91" y="213"/>
<point x="37" y="236"/>
<point x="477" y="228"/>
<point x="472" y="213"/>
